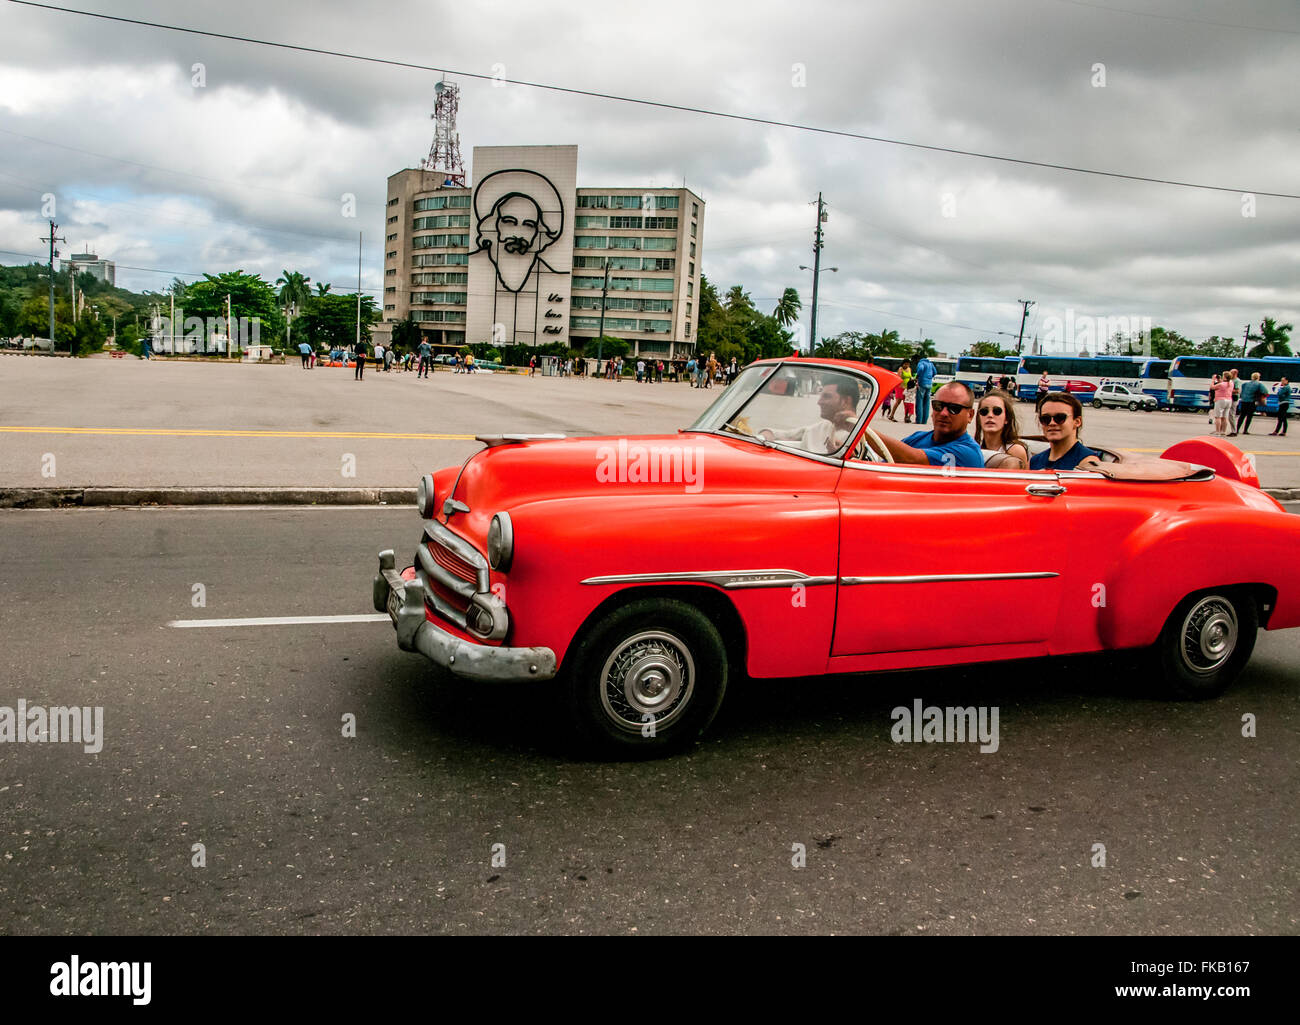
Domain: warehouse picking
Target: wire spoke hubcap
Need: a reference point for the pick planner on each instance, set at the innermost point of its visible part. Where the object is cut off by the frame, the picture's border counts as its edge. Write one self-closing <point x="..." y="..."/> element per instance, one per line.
<point x="1209" y="635"/>
<point x="648" y="678"/>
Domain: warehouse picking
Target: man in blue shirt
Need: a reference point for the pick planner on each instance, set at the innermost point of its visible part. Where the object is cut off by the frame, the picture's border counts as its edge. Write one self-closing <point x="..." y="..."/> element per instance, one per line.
<point x="1061" y="418"/>
<point x="924" y="380"/>
<point x="1252" y="391"/>
<point x="948" y="444"/>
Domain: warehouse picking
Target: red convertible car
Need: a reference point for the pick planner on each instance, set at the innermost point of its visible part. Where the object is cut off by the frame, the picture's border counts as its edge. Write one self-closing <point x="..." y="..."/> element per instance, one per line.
<point x="640" y="577"/>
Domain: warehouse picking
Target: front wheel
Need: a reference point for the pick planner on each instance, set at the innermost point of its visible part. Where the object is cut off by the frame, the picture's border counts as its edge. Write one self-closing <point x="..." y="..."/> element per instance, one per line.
<point x="646" y="680"/>
<point x="1132" y="406"/>
<point x="1206" y="642"/>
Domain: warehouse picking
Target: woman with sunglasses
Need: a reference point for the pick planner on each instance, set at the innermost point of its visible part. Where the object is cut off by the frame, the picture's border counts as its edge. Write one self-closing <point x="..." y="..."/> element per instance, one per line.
<point x="996" y="433"/>
<point x="1061" y="417"/>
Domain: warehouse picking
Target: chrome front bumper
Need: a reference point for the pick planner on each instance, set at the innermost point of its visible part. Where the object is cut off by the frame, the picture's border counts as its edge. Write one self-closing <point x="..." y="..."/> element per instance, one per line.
<point x="404" y="601"/>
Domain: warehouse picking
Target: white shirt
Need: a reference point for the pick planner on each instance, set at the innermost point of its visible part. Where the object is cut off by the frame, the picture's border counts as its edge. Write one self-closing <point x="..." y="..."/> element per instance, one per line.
<point x="816" y="437"/>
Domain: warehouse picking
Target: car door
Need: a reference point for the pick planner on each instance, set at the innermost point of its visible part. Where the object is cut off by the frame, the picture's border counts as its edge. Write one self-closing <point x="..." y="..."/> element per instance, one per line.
<point x="939" y="558"/>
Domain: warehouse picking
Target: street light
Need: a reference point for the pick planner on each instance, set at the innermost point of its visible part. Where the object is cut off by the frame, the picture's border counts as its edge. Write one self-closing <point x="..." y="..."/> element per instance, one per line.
<point x="816" y="274"/>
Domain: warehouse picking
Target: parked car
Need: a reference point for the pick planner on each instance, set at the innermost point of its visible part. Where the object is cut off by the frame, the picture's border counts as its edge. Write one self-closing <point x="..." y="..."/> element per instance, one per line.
<point x="1123" y="395"/>
<point x="821" y="557"/>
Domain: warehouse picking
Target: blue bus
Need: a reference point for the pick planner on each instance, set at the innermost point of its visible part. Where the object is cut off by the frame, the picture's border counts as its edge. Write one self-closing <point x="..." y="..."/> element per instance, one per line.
<point x="1188" y="386"/>
<point x="1155" y="381"/>
<point x="1079" y="375"/>
<point x="973" y="371"/>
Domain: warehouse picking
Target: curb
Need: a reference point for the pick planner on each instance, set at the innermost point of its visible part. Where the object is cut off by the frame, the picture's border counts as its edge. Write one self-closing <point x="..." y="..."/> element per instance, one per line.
<point x="62" y="498"/>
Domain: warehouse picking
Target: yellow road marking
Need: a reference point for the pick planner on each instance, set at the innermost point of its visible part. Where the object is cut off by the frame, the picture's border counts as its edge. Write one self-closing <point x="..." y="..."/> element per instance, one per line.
<point x="204" y="432"/>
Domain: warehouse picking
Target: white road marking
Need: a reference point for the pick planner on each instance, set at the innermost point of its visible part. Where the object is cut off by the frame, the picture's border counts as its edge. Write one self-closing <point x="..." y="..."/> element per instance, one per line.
<point x="281" y="621"/>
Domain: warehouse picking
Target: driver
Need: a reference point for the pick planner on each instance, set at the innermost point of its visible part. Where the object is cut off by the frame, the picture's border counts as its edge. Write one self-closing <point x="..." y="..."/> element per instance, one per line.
<point x="838" y="405"/>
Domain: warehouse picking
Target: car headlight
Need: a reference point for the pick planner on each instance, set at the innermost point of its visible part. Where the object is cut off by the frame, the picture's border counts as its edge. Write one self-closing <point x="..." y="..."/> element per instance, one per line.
<point x="424" y="497"/>
<point x="501" y="542"/>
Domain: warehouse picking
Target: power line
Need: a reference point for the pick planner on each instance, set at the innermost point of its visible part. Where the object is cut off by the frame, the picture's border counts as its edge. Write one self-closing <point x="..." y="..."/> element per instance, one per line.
<point x="1179" y="17"/>
<point x="660" y="104"/>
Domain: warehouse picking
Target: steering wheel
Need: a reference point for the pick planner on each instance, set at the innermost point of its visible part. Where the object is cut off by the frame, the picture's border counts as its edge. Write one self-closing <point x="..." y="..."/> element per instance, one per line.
<point x="870" y="435"/>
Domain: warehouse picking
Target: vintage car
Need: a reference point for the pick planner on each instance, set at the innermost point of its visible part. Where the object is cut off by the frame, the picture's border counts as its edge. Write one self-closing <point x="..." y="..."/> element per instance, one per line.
<point x="638" y="578"/>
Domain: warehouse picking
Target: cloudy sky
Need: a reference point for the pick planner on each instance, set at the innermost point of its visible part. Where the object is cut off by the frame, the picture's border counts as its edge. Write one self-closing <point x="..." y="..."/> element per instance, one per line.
<point x="246" y="168"/>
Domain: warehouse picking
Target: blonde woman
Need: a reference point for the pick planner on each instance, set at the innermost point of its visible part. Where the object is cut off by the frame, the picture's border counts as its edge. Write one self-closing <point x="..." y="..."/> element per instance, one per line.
<point x="997" y="433"/>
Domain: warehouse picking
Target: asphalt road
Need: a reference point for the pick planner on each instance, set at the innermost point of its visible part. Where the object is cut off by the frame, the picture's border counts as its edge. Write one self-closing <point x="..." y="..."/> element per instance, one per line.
<point x="130" y="423"/>
<point x="232" y="737"/>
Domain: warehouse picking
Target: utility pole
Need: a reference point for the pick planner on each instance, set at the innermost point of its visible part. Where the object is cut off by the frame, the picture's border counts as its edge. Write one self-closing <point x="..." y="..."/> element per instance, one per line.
<point x="817" y="267"/>
<point x="51" y="240"/>
<point x="1245" y="340"/>
<point x="230" y="338"/>
<point x="1024" y="315"/>
<point x="600" y="339"/>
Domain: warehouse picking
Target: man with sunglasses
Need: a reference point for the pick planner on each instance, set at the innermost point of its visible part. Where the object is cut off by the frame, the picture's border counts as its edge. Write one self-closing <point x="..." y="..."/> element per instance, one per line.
<point x="948" y="444"/>
<point x="1061" y="418"/>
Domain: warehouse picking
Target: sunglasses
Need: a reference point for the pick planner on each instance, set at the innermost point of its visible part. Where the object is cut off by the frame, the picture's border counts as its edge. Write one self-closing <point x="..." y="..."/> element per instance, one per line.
<point x="1052" y="418"/>
<point x="991" y="411"/>
<point x="951" y="407"/>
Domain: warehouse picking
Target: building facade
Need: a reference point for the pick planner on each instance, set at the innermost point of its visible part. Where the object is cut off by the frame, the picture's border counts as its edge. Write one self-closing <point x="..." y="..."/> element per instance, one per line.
<point x="520" y="257"/>
<point x="89" y="263"/>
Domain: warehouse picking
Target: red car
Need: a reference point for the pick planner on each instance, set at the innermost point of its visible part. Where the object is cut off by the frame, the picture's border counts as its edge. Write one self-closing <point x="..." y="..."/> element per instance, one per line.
<point x="635" y="579"/>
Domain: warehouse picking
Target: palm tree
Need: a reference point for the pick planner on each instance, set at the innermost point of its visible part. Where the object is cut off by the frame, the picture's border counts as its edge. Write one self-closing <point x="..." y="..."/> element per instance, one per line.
<point x="738" y="298"/>
<point x="322" y="289"/>
<point x="293" y="292"/>
<point x="1274" y="339"/>
<point x="787" y="308"/>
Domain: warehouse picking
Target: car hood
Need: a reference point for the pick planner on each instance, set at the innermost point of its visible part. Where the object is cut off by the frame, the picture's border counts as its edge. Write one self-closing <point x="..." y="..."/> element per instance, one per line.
<point x="506" y="477"/>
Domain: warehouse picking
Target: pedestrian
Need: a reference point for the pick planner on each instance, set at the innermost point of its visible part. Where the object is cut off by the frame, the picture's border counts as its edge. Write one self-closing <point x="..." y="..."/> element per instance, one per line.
<point x="1283" y="406"/>
<point x="1252" y="392"/>
<point x="712" y="367"/>
<point x="618" y="371"/>
<point x="909" y="401"/>
<point x="1234" y="414"/>
<point x="1043" y="387"/>
<point x="1213" y="383"/>
<point x="426" y="359"/>
<point x="361" y="363"/>
<point x="988" y="385"/>
<point x="898" y="402"/>
<point x="388" y="359"/>
<point x="659" y="373"/>
<point x="690" y="370"/>
<point x="304" y="350"/>
<point x="1222" y="406"/>
<point x="532" y="366"/>
<point x="925" y="372"/>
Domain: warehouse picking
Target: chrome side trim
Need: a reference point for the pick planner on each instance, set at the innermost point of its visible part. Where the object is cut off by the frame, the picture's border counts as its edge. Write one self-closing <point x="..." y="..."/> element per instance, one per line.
<point x="941" y="577"/>
<point x="495" y="440"/>
<point x="730" y="580"/>
<point x="952" y="473"/>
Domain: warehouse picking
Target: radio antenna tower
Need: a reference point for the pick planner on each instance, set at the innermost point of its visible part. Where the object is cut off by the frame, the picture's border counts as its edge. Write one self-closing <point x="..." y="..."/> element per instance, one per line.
<point x="444" y="155"/>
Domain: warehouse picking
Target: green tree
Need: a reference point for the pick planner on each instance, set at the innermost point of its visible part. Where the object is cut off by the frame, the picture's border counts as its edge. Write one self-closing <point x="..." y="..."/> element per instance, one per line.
<point x="250" y="297"/>
<point x="1167" y="343"/>
<point x="989" y="350"/>
<point x="322" y="288"/>
<point x="1274" y="339"/>
<point x="1216" y="346"/>
<point x="330" y="320"/>
<point x="787" y="308"/>
<point x="406" y="334"/>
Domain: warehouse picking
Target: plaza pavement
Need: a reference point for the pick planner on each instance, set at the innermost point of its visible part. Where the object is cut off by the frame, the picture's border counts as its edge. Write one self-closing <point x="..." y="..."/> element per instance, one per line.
<point x="149" y="424"/>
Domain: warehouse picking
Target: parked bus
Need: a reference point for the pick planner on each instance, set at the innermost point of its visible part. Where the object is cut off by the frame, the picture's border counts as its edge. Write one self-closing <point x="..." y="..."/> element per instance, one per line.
<point x="1155" y="381"/>
<point x="973" y="371"/>
<point x="1188" y="386"/>
<point x="945" y="369"/>
<point x="1079" y="375"/>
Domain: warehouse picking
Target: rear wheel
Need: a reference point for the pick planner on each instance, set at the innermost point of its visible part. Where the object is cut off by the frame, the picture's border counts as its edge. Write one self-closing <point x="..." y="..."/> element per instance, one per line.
<point x="1206" y="642"/>
<point x="646" y="680"/>
<point x="1096" y="403"/>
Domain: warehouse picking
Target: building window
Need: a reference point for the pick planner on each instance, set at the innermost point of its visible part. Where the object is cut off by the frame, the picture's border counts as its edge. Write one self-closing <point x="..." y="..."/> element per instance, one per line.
<point x="659" y="306"/>
<point x="658" y="327"/>
<point x="661" y="222"/>
<point x="393" y="255"/>
<point x="625" y="202"/>
<point x="393" y="219"/>
<point x="692" y="250"/>
<point x="439" y="316"/>
<point x="390" y="288"/>
<point x="391" y="272"/>
<point x="445" y="278"/>
<point x="688" y="329"/>
<point x="439" y="241"/>
<point x="585" y="323"/>
<point x="394" y="201"/>
<point x="441" y="221"/>
<point x="590" y="242"/>
<point x="625" y="222"/>
<point x="666" y="202"/>
<point x="439" y="298"/>
<point x="695" y="209"/>
<point x="688" y="309"/>
<point x="390" y="306"/>
<point x="590" y="221"/>
<point x="594" y="202"/>
<point x="692" y="229"/>
<point x="659" y="263"/>
<point x="392" y="238"/>
<point x="692" y="274"/>
<point x="439" y="259"/>
<point x="616" y="242"/>
<point x="690" y="288"/>
<point x="662" y="244"/>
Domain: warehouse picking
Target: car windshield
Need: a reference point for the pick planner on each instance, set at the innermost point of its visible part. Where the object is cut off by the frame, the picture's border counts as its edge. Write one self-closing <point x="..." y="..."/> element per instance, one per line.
<point x="797" y="405"/>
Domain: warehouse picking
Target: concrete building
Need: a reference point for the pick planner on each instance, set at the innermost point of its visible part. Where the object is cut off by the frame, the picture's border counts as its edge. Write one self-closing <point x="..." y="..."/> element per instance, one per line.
<point x="519" y="257"/>
<point x="89" y="263"/>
